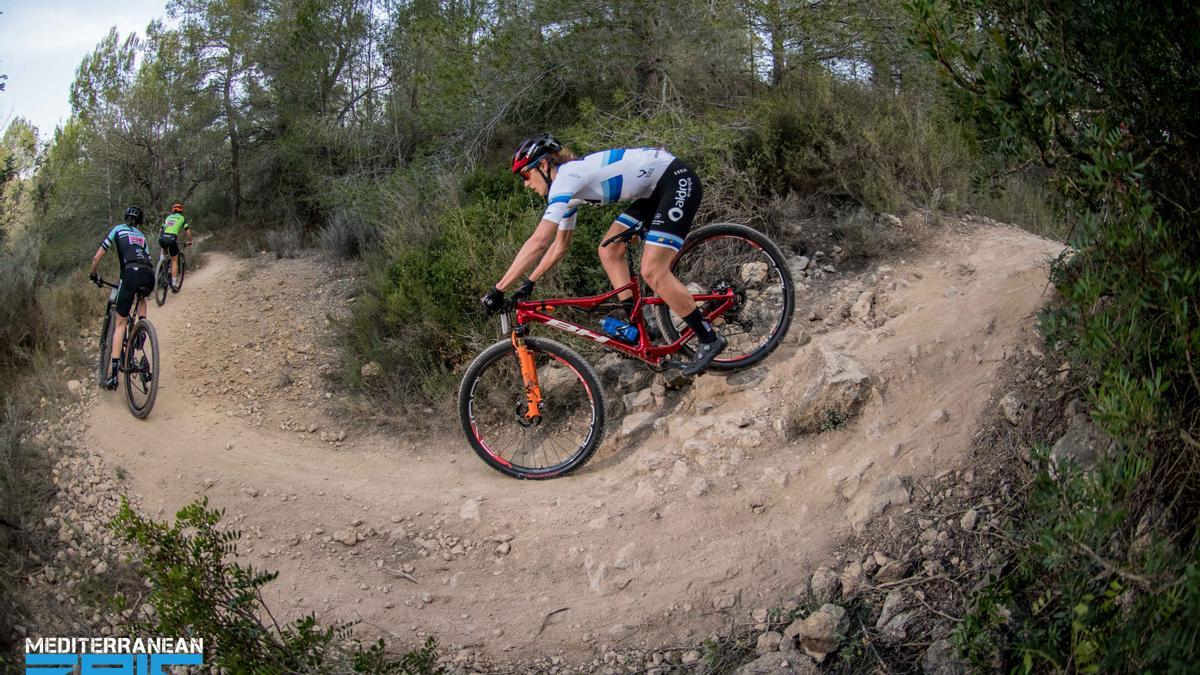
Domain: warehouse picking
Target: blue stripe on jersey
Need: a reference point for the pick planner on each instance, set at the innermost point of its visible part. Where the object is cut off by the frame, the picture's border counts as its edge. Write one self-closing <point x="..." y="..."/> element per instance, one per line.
<point x="560" y="199"/>
<point x="611" y="189"/>
<point x="627" y="220"/>
<point x="614" y="156"/>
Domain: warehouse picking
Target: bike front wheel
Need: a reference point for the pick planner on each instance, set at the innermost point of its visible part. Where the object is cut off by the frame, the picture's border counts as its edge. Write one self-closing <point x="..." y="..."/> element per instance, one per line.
<point x="492" y="406"/>
<point x="141" y="369"/>
<point x="160" y="282"/>
<point x="105" y="362"/>
<point x="177" y="281"/>
<point x="731" y="257"/>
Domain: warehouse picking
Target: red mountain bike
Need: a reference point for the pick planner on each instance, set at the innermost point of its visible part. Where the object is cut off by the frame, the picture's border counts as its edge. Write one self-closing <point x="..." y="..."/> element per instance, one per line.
<point x="534" y="408"/>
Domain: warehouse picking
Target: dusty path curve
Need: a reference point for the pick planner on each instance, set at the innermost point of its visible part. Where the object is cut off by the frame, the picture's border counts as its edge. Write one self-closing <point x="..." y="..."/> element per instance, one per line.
<point x="709" y="511"/>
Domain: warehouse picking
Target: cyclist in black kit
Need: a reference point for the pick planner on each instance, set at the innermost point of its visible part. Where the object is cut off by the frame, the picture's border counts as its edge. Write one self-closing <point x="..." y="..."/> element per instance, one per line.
<point x="137" y="278"/>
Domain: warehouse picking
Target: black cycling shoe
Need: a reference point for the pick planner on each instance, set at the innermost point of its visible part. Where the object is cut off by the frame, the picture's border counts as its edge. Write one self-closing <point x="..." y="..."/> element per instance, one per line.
<point x="705" y="353"/>
<point x="111" y="383"/>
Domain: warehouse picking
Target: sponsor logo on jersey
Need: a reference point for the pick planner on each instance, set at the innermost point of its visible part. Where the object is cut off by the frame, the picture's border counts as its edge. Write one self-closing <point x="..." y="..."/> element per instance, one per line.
<point x="137" y="239"/>
<point x="682" y="192"/>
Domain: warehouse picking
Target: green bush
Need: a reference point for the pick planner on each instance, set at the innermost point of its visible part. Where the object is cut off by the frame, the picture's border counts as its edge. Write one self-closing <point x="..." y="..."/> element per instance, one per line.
<point x="844" y="142"/>
<point x="1106" y="575"/>
<point x="196" y="591"/>
<point x="26" y="491"/>
<point x="283" y="243"/>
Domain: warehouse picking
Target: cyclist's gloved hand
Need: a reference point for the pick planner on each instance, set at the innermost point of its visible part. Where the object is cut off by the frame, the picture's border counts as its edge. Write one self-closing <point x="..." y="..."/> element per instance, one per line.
<point x="493" y="301"/>
<point x="523" y="291"/>
<point x="95" y="278"/>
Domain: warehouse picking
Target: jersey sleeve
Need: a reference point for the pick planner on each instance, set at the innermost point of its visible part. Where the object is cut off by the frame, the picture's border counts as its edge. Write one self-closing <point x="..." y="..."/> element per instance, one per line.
<point x="185" y="224"/>
<point x="562" y="191"/>
<point x="568" y="218"/>
<point x="109" y="239"/>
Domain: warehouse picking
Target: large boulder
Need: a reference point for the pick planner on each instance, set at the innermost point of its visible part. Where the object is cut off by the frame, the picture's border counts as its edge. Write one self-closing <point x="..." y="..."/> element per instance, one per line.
<point x="831" y="392"/>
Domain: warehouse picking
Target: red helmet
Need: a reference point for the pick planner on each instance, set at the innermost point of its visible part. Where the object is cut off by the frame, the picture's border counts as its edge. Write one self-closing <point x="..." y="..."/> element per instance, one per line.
<point x="177" y="208"/>
<point x="534" y="150"/>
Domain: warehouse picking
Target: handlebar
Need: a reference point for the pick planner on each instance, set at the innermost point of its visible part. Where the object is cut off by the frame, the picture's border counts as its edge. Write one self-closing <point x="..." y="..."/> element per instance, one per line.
<point x="101" y="283"/>
<point x="626" y="235"/>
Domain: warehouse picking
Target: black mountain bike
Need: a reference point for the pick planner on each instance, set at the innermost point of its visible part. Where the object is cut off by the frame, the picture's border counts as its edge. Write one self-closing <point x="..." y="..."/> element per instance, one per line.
<point x="139" y="357"/>
<point x="163" y="279"/>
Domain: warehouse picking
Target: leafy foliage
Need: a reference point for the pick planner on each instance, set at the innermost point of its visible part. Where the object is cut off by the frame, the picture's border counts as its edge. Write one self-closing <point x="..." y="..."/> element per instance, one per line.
<point x="1104" y="95"/>
<point x="196" y="591"/>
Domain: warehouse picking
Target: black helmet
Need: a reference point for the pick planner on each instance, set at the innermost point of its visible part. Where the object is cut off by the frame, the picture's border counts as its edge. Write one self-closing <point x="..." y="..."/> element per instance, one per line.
<point x="534" y="150"/>
<point x="133" y="215"/>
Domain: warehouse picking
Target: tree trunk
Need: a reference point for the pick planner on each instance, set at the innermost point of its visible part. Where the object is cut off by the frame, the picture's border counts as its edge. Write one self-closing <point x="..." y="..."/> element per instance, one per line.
<point x="235" y="167"/>
<point x="778" y="52"/>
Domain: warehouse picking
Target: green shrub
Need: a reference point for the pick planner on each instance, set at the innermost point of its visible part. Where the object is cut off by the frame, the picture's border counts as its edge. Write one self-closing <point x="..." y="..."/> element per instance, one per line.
<point x="26" y="491"/>
<point x="1106" y="575"/>
<point x="846" y="143"/>
<point x="197" y="592"/>
<point x="348" y="235"/>
<point x="283" y="243"/>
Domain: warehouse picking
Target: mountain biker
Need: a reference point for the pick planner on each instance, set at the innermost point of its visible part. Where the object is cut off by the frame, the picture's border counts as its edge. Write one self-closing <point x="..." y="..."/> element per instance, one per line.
<point x="169" y="239"/>
<point x="137" y="277"/>
<point x="666" y="194"/>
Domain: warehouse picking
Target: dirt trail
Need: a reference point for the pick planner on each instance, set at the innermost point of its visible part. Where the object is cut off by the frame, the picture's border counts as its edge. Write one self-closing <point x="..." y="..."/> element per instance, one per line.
<point x="710" y="510"/>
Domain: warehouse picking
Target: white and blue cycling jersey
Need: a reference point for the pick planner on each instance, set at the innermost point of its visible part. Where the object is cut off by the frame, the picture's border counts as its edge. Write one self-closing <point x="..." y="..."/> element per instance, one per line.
<point x="604" y="177"/>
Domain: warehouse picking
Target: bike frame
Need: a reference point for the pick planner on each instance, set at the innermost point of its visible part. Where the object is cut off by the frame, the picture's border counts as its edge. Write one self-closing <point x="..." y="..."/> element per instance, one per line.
<point x="538" y="311"/>
<point x="130" y="323"/>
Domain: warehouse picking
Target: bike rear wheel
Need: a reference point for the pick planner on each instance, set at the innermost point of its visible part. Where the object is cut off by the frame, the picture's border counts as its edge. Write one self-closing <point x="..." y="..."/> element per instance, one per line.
<point x="731" y="256"/>
<point x="141" y="373"/>
<point x="491" y="406"/>
<point x="177" y="281"/>
<point x="161" y="272"/>
<point x="105" y="362"/>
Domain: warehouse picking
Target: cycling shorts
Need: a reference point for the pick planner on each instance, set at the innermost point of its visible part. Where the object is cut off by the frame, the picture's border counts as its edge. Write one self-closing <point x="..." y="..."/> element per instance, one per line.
<point x="136" y="280"/>
<point x="670" y="209"/>
<point x="170" y="244"/>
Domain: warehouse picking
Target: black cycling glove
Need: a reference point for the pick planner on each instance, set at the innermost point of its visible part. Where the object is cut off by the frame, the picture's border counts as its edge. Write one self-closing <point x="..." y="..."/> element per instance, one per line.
<point x="523" y="291"/>
<point x="95" y="278"/>
<point x="493" y="301"/>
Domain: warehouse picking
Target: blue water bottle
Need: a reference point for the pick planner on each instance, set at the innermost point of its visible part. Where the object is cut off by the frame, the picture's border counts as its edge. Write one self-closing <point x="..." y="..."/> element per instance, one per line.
<point x="622" y="330"/>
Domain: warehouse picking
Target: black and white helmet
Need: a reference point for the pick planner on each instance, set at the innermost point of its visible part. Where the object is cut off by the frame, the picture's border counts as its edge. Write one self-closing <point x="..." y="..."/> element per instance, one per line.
<point x="534" y="150"/>
<point x="133" y="215"/>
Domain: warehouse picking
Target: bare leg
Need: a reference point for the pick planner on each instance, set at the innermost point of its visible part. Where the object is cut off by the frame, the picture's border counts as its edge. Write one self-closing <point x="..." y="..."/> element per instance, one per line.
<point x="118" y="336"/>
<point x="612" y="258"/>
<point x="656" y="268"/>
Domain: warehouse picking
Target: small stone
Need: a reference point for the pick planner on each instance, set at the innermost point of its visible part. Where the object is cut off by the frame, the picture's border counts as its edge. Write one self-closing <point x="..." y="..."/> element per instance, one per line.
<point x="1012" y="408"/>
<point x="370" y="370"/>
<point x="74" y="386"/>
<point x="939" y="416"/>
<point x="504" y="548"/>
<point x="768" y="642"/>
<point x="893" y="571"/>
<point x="825" y="585"/>
<point x="969" y="519"/>
<point x="699" y="488"/>
<point x="725" y="602"/>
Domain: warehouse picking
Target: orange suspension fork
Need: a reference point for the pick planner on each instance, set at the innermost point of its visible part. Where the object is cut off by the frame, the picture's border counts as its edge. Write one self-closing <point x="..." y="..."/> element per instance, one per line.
<point x="533" y="391"/>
